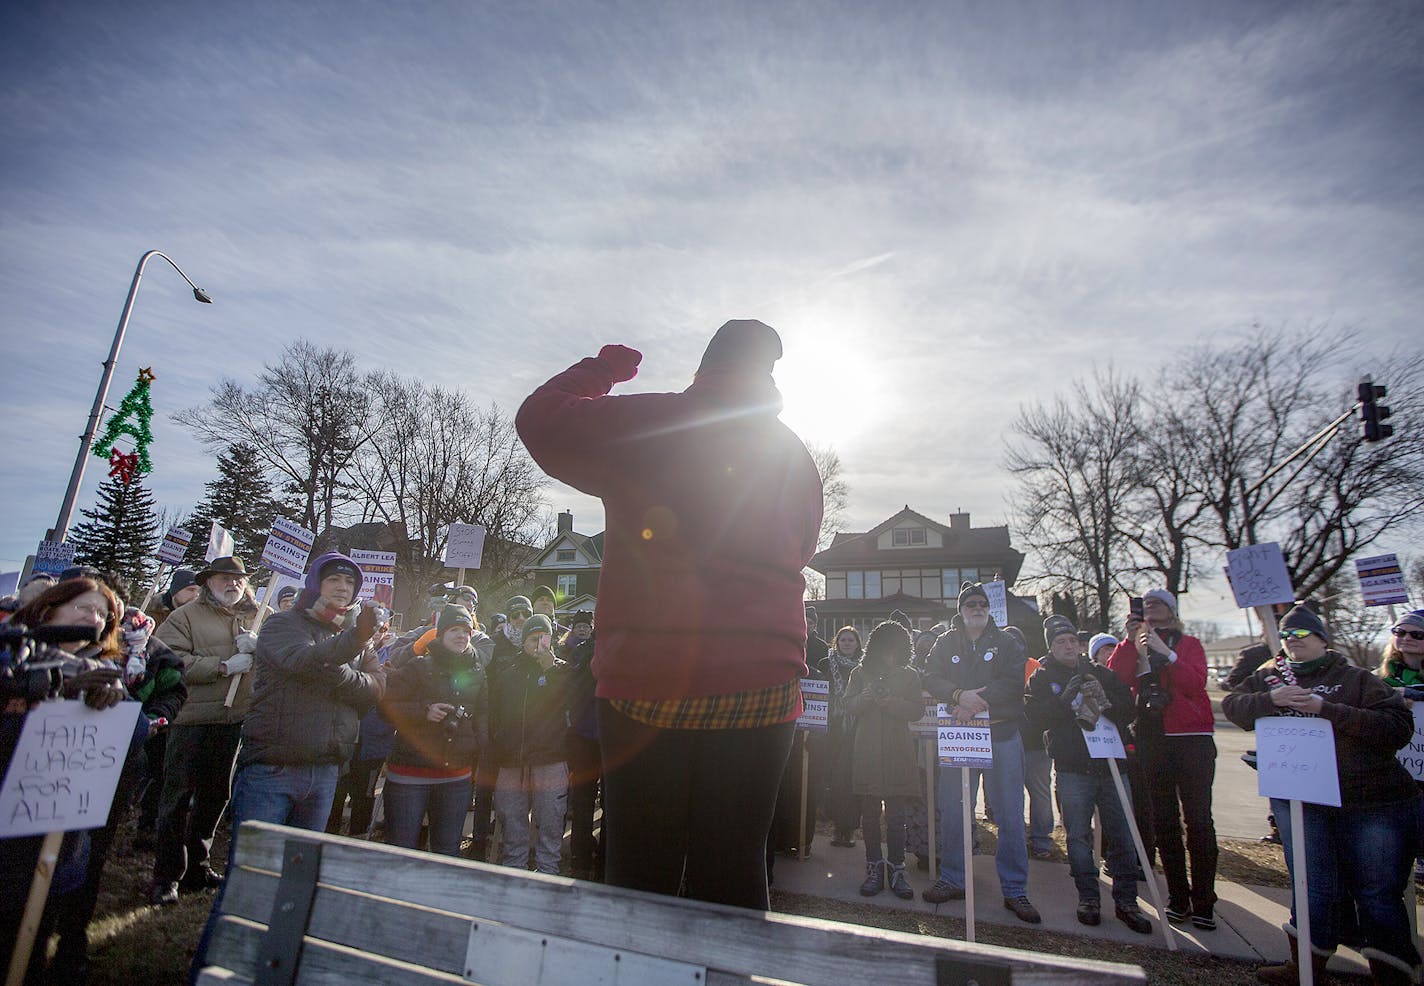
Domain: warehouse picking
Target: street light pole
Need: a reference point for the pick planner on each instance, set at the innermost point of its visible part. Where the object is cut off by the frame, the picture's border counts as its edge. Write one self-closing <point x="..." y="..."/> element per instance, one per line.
<point x="86" y="440"/>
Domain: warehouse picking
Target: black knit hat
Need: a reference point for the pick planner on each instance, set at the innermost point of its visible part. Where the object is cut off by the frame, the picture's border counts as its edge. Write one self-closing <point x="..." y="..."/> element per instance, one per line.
<point x="1302" y="618"/>
<point x="889" y="642"/>
<point x="542" y="592"/>
<point x="743" y="342"/>
<point x="969" y="589"/>
<point x="1056" y="626"/>
<point x="582" y="616"/>
<point x="454" y="615"/>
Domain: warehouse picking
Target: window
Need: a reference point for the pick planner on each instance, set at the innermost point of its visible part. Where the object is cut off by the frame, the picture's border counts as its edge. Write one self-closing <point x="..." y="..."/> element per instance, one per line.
<point x="872" y="585"/>
<point x="836" y="585"/>
<point x="905" y="537"/>
<point x="567" y="554"/>
<point x="567" y="586"/>
<point x="855" y="585"/>
<point x="890" y="582"/>
<point x="949" y="584"/>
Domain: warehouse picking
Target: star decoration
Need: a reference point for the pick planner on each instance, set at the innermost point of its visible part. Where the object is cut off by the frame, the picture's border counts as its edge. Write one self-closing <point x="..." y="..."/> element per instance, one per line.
<point x="146" y="374"/>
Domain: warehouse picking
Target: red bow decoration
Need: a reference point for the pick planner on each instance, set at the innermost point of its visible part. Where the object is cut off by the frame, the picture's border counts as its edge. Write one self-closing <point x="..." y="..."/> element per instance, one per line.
<point x="123" y="466"/>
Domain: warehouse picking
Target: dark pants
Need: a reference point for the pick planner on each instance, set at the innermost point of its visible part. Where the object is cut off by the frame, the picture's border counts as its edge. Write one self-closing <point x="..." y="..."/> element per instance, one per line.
<point x="1078" y="796"/>
<point x="408" y="805"/>
<point x="690" y="806"/>
<point x="1180" y="771"/>
<point x="585" y="773"/>
<point x="842" y="806"/>
<point x="151" y="779"/>
<point x="894" y="829"/>
<point x="197" y="767"/>
<point x="787" y="820"/>
<point x="486" y="772"/>
<point x="358" y="784"/>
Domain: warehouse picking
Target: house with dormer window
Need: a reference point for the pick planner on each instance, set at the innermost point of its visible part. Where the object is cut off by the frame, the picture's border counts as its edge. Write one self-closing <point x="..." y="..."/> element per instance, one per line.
<point x="569" y="564"/>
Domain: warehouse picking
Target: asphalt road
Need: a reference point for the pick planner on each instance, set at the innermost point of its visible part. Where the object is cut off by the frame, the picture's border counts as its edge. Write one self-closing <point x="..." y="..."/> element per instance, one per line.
<point x="1238" y="811"/>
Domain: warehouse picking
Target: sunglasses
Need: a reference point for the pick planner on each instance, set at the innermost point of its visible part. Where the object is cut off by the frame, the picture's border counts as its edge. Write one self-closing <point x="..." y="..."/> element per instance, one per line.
<point x="972" y="605"/>
<point x="1296" y="633"/>
<point x="1411" y="634"/>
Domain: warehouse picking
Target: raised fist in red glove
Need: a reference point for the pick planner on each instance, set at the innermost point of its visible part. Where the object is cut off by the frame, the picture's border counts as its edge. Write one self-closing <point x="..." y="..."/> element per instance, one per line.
<point x="621" y="361"/>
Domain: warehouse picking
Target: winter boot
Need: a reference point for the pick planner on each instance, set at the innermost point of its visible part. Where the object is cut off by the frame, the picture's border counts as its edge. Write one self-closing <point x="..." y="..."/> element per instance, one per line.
<point x="874" y="879"/>
<point x="1388" y="969"/>
<point x="899" y="886"/>
<point x="1288" y="973"/>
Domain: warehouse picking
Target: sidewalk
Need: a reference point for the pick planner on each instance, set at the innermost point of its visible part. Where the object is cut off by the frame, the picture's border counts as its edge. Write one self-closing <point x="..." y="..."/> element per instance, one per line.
<point x="1248" y="918"/>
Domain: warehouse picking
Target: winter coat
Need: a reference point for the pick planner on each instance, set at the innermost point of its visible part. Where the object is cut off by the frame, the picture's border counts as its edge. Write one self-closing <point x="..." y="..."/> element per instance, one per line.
<point x="1370" y="721"/>
<point x="529" y="712"/>
<point x="202" y="633"/>
<point x="1188" y="711"/>
<point x="994" y="662"/>
<point x="713" y="507"/>
<point x="161" y="688"/>
<point x="583" y="707"/>
<point x="1049" y="712"/>
<point x="883" y="750"/>
<point x="411" y="689"/>
<point x="307" y="699"/>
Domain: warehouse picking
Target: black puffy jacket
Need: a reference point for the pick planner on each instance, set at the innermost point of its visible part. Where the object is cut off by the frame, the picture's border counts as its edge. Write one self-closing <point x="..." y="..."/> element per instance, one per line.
<point x="411" y="689"/>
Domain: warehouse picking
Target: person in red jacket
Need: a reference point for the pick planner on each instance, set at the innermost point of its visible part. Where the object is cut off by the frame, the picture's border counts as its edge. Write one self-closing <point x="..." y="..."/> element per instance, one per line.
<point x="1175" y="725"/>
<point x="713" y="507"/>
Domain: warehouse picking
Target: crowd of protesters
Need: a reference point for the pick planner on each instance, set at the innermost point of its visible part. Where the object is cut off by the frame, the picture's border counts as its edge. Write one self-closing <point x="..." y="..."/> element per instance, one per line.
<point x="676" y="713"/>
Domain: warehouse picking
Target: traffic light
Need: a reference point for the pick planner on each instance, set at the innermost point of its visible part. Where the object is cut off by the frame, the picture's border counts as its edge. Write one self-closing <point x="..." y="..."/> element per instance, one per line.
<point x="1372" y="412"/>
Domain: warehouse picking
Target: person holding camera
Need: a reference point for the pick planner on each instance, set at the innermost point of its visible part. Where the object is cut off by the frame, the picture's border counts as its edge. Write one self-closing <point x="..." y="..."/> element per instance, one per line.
<point x="1166" y="669"/>
<point x="1402" y="668"/>
<point x="436" y="703"/>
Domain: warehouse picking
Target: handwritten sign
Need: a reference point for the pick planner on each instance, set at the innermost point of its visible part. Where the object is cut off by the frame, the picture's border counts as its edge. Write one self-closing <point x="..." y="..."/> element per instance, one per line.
<point x="1412" y="755"/>
<point x="1381" y="580"/>
<point x="998" y="602"/>
<point x="65" y="768"/>
<point x="174" y="546"/>
<point x="1104" y="741"/>
<point x="378" y="568"/>
<point x="53" y="557"/>
<point x="1295" y="759"/>
<point x="1258" y="576"/>
<point x="287" y="548"/>
<point x="928" y="724"/>
<point x="465" y="547"/>
<point x="816" y="701"/>
<point x="964" y="745"/>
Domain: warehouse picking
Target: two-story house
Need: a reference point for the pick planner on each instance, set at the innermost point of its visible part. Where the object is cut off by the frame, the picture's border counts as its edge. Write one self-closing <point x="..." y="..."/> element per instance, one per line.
<point x="569" y="564"/>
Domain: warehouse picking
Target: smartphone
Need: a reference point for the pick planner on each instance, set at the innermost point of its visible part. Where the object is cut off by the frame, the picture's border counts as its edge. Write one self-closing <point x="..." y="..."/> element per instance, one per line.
<point x="1134" y="607"/>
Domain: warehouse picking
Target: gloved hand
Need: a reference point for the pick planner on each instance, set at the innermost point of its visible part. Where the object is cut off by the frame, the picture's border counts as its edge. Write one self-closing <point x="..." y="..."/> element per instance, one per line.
<point x="246" y="642"/>
<point x="622" y="362"/>
<point x="1093" y="701"/>
<point x="136" y="629"/>
<point x="366" y="622"/>
<point x="236" y="664"/>
<point x="134" y="669"/>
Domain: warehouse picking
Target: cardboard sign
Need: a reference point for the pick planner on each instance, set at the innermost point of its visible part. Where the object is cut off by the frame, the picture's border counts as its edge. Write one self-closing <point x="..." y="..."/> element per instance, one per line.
<point x="287" y="548"/>
<point x="1412" y="754"/>
<point x="174" y="546"/>
<point x="928" y="724"/>
<point x="998" y="602"/>
<point x="816" y="703"/>
<point x="1104" y="741"/>
<point x="1381" y="581"/>
<point x="964" y="746"/>
<point x="378" y="568"/>
<point x="53" y="557"/>
<point x="65" y="768"/>
<point x="1295" y="759"/>
<point x="465" y="547"/>
<point x="220" y="543"/>
<point x="1258" y="576"/>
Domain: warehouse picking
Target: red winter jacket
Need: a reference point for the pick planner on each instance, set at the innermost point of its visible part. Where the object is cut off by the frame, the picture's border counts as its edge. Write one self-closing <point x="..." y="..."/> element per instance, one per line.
<point x="712" y="506"/>
<point x="1189" y="713"/>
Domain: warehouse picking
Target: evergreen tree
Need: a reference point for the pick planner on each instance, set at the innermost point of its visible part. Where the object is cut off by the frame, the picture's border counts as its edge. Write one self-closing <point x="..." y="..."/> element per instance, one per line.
<point x="242" y="500"/>
<point x="121" y="533"/>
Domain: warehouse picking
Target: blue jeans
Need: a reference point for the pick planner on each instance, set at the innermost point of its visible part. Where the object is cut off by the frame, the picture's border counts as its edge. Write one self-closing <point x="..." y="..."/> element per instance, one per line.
<point x="1038" y="778"/>
<point x="1360" y="854"/>
<point x="1078" y="795"/>
<point x="298" y="795"/>
<point x="408" y="804"/>
<point x="1004" y="791"/>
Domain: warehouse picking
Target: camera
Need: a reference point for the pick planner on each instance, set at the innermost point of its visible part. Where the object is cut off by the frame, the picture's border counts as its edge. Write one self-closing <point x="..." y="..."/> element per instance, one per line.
<point x="452" y="721"/>
<point x="31" y="666"/>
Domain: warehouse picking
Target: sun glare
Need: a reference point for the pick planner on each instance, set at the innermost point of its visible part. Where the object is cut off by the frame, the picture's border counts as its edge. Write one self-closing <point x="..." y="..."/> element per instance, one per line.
<point x="831" y="387"/>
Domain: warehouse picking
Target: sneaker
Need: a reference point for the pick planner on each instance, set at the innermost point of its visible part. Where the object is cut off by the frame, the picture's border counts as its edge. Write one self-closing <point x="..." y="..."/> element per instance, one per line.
<point x="1023" y="910"/>
<point x="1135" y="919"/>
<point x="1205" y="921"/>
<point x="899" y="886"/>
<point x="164" y="894"/>
<point x="1178" y="912"/>
<point x="1041" y="853"/>
<point x="203" y="878"/>
<point x="1090" y="913"/>
<point x="874" y="879"/>
<point x="941" y="892"/>
<point x="843" y="843"/>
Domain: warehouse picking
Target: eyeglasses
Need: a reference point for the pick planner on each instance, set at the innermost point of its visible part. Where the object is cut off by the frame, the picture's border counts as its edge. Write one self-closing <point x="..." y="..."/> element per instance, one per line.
<point x="1411" y="634"/>
<point x="1295" y="633"/>
<point x="973" y="605"/>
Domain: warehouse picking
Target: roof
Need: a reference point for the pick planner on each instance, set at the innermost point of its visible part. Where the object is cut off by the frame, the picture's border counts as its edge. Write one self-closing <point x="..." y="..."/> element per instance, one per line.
<point x="985" y="547"/>
<point x="590" y="545"/>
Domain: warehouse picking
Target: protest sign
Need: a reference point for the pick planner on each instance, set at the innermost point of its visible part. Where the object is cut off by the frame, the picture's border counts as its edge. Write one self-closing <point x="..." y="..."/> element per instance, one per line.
<point x="1381" y="580"/>
<point x="1412" y="754"/>
<point x="1104" y="741"/>
<point x="1295" y="760"/>
<point x="1258" y="577"/>
<point x="9" y="583"/>
<point x="927" y="724"/>
<point x="287" y="548"/>
<point x="998" y="602"/>
<point x="65" y="768"/>
<point x="964" y="745"/>
<point x="174" y="546"/>
<point x="378" y="570"/>
<point x="220" y="543"/>
<point x="465" y="547"/>
<point x="53" y="557"/>
<point x="815" y="700"/>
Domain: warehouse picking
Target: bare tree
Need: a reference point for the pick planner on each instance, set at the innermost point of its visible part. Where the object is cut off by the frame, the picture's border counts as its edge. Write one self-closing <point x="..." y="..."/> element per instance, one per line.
<point x="307" y="417"/>
<point x="834" y="489"/>
<point x="1162" y="517"/>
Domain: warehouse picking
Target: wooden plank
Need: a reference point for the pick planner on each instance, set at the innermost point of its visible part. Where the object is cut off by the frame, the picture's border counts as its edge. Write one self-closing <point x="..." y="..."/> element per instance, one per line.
<point x="733" y="940"/>
<point x="239" y="942"/>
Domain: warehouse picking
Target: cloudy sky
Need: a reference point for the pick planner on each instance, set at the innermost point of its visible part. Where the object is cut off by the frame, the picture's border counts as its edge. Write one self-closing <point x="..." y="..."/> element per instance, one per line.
<point x="946" y="209"/>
